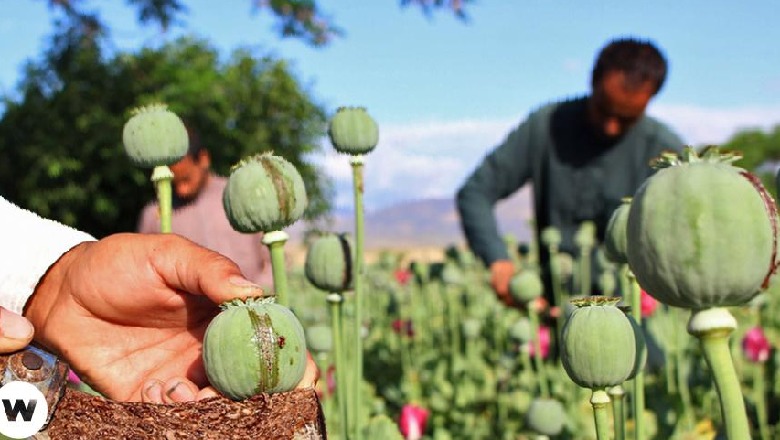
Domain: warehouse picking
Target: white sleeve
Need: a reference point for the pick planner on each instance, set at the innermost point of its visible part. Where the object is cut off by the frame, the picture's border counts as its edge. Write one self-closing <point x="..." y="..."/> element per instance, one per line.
<point x="29" y="244"/>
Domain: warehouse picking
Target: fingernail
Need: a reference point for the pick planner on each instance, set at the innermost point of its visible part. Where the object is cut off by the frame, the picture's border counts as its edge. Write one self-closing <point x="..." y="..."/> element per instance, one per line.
<point x="152" y="392"/>
<point x="180" y="392"/>
<point x="14" y="326"/>
<point x="243" y="282"/>
<point x="206" y="393"/>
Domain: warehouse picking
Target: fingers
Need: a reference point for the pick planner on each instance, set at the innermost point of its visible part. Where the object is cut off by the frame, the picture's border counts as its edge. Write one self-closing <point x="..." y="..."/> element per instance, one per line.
<point x="179" y="389"/>
<point x="15" y="331"/>
<point x="501" y="272"/>
<point x="152" y="392"/>
<point x="206" y="393"/>
<point x="174" y="390"/>
<point x="311" y="375"/>
<point x="187" y="266"/>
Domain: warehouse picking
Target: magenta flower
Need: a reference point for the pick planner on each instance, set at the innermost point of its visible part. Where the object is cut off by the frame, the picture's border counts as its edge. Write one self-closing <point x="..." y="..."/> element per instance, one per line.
<point x="755" y="345"/>
<point x="403" y="327"/>
<point x="544" y="342"/>
<point x="413" y="420"/>
<point x="647" y="303"/>
<point x="330" y="379"/>
<point x="403" y="276"/>
<point x="73" y="378"/>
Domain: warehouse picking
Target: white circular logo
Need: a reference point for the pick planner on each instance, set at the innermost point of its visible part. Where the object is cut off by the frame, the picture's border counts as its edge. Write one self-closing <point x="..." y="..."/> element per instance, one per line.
<point x="23" y="410"/>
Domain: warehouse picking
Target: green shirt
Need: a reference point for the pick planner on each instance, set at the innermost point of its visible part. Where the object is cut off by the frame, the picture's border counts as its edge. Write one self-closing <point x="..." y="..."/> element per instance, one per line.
<point x="576" y="176"/>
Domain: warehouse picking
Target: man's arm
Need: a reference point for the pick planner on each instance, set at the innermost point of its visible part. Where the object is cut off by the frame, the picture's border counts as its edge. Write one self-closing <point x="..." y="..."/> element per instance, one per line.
<point x="505" y="170"/>
<point x="500" y="174"/>
<point x="30" y="245"/>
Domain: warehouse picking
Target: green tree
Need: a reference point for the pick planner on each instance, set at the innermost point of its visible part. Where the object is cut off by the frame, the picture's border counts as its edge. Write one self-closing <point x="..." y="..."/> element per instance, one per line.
<point x="760" y="152"/>
<point x="303" y="19"/>
<point x="61" y="140"/>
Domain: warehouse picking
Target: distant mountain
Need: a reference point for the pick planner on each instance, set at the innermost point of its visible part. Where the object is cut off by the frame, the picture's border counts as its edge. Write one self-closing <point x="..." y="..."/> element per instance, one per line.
<point x="427" y="223"/>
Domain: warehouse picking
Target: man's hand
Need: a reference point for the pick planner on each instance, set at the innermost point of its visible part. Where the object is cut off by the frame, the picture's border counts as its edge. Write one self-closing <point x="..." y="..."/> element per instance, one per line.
<point x="15" y="331"/>
<point x="129" y="312"/>
<point x="501" y="272"/>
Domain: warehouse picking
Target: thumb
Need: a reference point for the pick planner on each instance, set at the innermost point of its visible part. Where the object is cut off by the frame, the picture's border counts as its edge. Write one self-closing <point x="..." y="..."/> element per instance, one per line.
<point x="201" y="271"/>
<point x="15" y="331"/>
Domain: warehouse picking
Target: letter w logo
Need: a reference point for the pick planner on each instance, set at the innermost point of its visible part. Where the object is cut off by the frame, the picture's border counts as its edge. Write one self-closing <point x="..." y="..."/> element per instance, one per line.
<point x="20" y="407"/>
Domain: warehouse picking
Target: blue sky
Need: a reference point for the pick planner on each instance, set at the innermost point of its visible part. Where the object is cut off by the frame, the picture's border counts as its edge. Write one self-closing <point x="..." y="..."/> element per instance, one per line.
<point x="444" y="92"/>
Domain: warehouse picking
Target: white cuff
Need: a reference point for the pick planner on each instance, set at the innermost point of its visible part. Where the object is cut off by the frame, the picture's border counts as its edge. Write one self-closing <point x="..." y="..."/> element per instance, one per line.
<point x="29" y="245"/>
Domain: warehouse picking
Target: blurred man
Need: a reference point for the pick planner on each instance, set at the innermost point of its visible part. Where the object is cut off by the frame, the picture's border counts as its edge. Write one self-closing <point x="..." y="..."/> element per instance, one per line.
<point x="582" y="155"/>
<point x="198" y="215"/>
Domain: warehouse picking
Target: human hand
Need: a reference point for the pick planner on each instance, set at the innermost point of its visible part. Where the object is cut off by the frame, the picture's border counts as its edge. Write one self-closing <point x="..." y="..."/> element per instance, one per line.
<point x="15" y="331"/>
<point x="501" y="272"/>
<point x="129" y="312"/>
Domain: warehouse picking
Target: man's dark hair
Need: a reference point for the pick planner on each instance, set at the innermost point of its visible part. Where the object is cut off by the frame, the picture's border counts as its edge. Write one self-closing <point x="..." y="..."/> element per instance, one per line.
<point x="640" y="60"/>
<point x="195" y="146"/>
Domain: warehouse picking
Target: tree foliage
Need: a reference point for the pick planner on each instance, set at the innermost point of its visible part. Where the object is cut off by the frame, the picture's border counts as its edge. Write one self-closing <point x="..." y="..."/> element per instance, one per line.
<point x="302" y="19"/>
<point x="62" y="139"/>
<point x="760" y="152"/>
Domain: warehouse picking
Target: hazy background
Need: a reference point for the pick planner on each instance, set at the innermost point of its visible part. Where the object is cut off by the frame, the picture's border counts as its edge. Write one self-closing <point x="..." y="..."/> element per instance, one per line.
<point x="445" y="91"/>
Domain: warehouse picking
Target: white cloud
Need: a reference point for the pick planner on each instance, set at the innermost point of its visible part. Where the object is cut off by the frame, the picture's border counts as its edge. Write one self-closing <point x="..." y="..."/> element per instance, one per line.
<point x="707" y="125"/>
<point x="419" y="160"/>
<point x="573" y="65"/>
<point x="431" y="159"/>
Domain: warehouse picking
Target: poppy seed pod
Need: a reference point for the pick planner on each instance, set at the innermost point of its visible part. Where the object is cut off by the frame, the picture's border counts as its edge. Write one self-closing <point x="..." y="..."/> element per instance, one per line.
<point x="641" y="347"/>
<point x="353" y="131"/>
<point x="328" y="263"/>
<point x="154" y="136"/>
<point x="544" y="416"/>
<point x="598" y="347"/>
<point x="615" y="239"/>
<point x="701" y="232"/>
<point x="319" y="338"/>
<point x="551" y="237"/>
<point x="264" y="193"/>
<point x="526" y="286"/>
<point x="254" y="346"/>
<point x="520" y="331"/>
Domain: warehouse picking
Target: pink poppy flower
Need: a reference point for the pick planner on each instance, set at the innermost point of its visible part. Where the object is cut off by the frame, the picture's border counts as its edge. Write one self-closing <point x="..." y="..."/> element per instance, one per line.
<point x="412" y="422"/>
<point x="403" y="327"/>
<point x="403" y="276"/>
<point x="73" y="378"/>
<point x="330" y="379"/>
<point x="755" y="345"/>
<point x="544" y="342"/>
<point x="647" y="303"/>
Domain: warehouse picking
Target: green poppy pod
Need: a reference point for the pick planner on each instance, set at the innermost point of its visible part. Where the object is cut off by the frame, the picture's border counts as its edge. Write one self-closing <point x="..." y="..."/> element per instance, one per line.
<point x="641" y="347"/>
<point x="154" y="136"/>
<point x="563" y="264"/>
<point x="319" y="338"/>
<point x="353" y="131"/>
<point x="607" y="283"/>
<point x="521" y="331"/>
<point x="546" y="416"/>
<point x="451" y="274"/>
<point x="472" y="328"/>
<point x="526" y="286"/>
<point x="598" y="343"/>
<point x="254" y="346"/>
<point x="702" y="233"/>
<point x="585" y="237"/>
<point x="551" y="237"/>
<point x="615" y="239"/>
<point x="328" y="264"/>
<point x="264" y="193"/>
